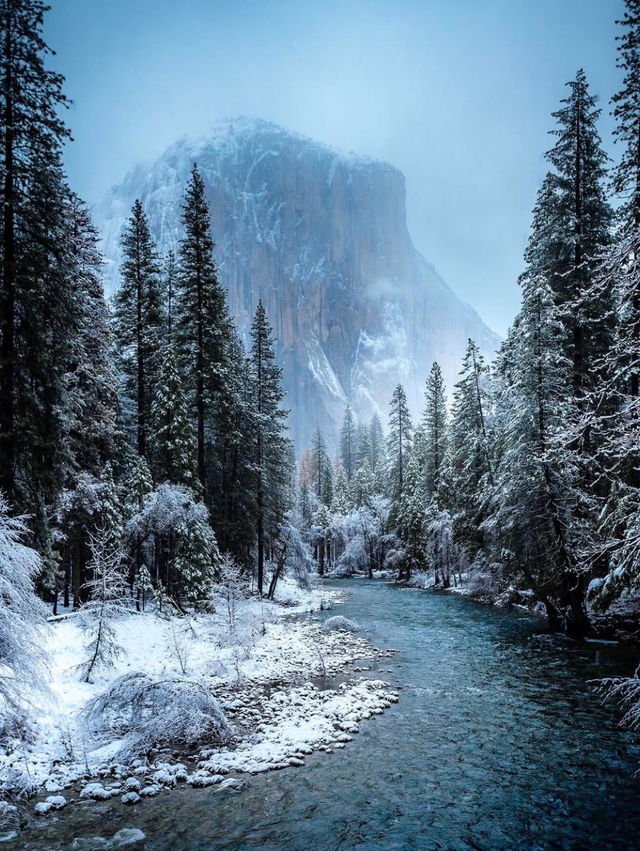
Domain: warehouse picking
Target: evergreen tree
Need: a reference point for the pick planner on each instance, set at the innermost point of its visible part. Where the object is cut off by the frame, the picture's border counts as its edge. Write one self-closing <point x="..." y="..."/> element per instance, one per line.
<point x="469" y="465"/>
<point x="435" y="429"/>
<point x="171" y="438"/>
<point x="138" y="322"/>
<point x="626" y="112"/>
<point x="362" y="485"/>
<point x="37" y="317"/>
<point x="170" y="286"/>
<point x="341" y="502"/>
<point x="91" y="404"/>
<point x="376" y="441"/>
<point x="411" y="516"/>
<point x="579" y="221"/>
<point x="348" y="443"/>
<point x="321" y="464"/>
<point x="363" y="444"/>
<point x="272" y="477"/>
<point x="202" y="322"/>
<point x="398" y="442"/>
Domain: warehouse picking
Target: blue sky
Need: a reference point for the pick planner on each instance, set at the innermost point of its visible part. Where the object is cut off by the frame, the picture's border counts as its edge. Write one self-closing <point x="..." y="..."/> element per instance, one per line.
<point x="456" y="93"/>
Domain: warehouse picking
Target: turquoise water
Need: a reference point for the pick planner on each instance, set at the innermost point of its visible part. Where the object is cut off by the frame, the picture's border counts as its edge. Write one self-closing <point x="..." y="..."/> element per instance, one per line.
<point x="497" y="743"/>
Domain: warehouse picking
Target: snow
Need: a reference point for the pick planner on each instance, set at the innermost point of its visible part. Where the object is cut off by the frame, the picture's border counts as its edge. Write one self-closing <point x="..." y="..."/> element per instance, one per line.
<point x="259" y="666"/>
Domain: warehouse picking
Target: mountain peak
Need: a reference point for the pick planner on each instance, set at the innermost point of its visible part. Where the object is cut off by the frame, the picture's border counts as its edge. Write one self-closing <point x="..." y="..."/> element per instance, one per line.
<point x="321" y="237"/>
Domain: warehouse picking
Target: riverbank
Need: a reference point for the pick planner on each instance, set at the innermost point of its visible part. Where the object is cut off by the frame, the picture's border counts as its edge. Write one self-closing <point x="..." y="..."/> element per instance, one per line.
<point x="269" y="673"/>
<point x="498" y="741"/>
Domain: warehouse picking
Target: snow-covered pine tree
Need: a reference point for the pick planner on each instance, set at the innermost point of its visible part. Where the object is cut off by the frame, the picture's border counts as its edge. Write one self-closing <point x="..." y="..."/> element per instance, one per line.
<point x="399" y="441"/>
<point x="362" y="484"/>
<point x="434" y="424"/>
<point x="202" y="320"/>
<point x="579" y="235"/>
<point x="172" y="443"/>
<point x="377" y="444"/>
<point x="138" y="324"/>
<point x="363" y="446"/>
<point x="348" y="443"/>
<point x="271" y="445"/>
<point x="321" y="466"/>
<point x="411" y="517"/>
<point x="536" y="521"/>
<point x="617" y="415"/>
<point x="469" y="464"/>
<point x="341" y="502"/>
<point x="33" y="279"/>
<point x="230" y="470"/>
<point x="91" y="389"/>
<point x="170" y="284"/>
<point x="626" y="111"/>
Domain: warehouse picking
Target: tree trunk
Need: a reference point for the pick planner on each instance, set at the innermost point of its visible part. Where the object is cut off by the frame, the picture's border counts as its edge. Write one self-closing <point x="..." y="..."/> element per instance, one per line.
<point x="7" y="316"/>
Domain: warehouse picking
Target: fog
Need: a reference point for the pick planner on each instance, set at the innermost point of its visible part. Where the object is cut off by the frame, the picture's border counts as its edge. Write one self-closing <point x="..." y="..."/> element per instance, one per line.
<point x="456" y="94"/>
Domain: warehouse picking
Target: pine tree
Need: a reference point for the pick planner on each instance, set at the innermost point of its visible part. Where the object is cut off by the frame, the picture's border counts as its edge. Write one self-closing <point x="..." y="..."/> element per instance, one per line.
<point x="138" y="322"/>
<point x="434" y="422"/>
<point x="580" y="220"/>
<point x="171" y="439"/>
<point x="170" y="285"/>
<point x="272" y="477"/>
<point x="202" y="322"/>
<point x="91" y="404"/>
<point x="321" y="464"/>
<point x="469" y="464"/>
<point x="626" y="112"/>
<point x="37" y="315"/>
<point x="411" y="516"/>
<point x="376" y="442"/>
<point x="398" y="442"/>
<point x="348" y="443"/>
<point x="341" y="502"/>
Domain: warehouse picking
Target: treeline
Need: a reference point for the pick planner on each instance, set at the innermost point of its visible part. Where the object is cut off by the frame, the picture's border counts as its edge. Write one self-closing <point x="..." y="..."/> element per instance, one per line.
<point x="146" y="431"/>
<point x="532" y="477"/>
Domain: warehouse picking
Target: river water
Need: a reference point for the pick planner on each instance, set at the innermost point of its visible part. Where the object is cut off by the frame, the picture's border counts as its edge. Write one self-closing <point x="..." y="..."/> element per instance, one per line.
<point x="497" y="743"/>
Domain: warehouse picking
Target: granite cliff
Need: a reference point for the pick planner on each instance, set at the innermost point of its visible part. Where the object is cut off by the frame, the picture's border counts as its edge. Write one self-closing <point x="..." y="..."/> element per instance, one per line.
<point x="321" y="237"/>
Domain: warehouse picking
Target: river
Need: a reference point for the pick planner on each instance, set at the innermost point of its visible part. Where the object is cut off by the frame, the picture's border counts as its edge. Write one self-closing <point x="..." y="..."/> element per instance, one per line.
<point x="497" y="743"/>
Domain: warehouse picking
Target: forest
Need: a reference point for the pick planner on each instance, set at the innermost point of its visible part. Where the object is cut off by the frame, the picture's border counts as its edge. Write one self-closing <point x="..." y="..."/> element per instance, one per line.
<point x="146" y="464"/>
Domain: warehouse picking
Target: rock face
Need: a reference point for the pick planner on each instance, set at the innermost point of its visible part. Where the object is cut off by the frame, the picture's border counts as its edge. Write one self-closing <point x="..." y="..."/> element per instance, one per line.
<point x="321" y="237"/>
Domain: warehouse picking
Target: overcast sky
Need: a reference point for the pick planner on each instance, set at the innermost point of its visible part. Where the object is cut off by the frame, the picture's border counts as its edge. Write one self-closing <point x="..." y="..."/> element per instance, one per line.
<point x="456" y="93"/>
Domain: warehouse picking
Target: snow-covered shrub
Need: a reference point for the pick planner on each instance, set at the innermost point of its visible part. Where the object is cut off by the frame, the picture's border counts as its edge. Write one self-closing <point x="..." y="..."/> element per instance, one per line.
<point x="338" y="622"/>
<point x="149" y="713"/>
<point x="363" y="534"/>
<point x="291" y="553"/>
<point x="22" y="616"/>
<point x="173" y="530"/>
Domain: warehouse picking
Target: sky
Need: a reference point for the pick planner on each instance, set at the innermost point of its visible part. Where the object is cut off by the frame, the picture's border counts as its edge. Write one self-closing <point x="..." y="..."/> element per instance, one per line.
<point x="457" y="93"/>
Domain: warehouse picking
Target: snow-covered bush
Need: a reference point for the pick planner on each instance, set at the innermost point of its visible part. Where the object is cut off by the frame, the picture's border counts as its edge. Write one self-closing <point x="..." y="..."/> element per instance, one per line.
<point x="150" y="713"/>
<point x="363" y="534"/>
<point x="22" y="616"/>
<point x="173" y="530"/>
<point x="338" y="622"/>
<point x="291" y="553"/>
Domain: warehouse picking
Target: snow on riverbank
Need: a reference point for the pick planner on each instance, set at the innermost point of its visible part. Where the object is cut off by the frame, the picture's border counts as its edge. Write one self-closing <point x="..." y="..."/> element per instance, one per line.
<point x="255" y="660"/>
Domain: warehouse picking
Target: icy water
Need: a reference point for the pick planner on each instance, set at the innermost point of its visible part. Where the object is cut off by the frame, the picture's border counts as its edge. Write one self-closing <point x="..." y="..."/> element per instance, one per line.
<point x="497" y="743"/>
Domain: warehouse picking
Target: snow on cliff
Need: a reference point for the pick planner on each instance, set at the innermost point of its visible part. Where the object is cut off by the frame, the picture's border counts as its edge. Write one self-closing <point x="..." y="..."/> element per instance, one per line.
<point x="321" y="237"/>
